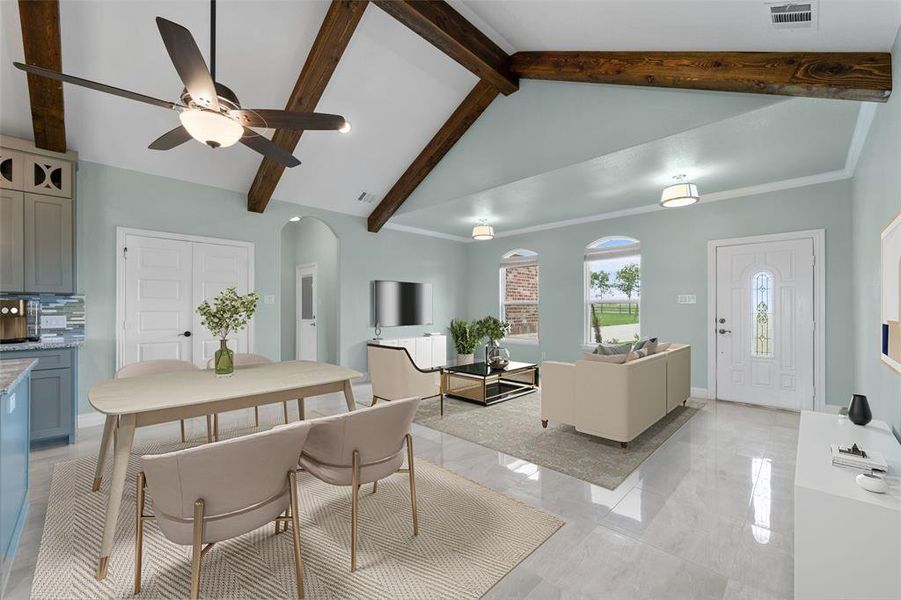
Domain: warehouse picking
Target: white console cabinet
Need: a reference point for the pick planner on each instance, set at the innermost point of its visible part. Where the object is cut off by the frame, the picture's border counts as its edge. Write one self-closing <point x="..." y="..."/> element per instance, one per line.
<point x="847" y="540"/>
<point x="427" y="352"/>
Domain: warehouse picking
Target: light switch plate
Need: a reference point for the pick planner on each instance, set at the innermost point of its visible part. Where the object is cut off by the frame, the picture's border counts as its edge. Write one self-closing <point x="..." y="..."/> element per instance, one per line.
<point x="687" y="299"/>
<point x="53" y="322"/>
<point x="269" y="299"/>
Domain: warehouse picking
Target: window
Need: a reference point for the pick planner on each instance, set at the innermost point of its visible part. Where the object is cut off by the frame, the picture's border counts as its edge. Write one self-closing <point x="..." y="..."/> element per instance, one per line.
<point x="762" y="315"/>
<point x="519" y="294"/>
<point x="612" y="290"/>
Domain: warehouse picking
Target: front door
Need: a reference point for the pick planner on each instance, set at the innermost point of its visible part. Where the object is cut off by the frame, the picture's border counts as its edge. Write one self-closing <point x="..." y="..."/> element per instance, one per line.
<point x="765" y="323"/>
<point x="307" y="338"/>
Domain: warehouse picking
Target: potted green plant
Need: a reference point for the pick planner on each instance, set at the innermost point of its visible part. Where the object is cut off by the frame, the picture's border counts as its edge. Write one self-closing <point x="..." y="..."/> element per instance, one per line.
<point x="495" y="329"/>
<point x="229" y="313"/>
<point x="466" y="337"/>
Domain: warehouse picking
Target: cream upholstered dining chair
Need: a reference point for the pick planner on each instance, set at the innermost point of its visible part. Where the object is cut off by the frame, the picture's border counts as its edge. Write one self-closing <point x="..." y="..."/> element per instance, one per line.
<point x="394" y="375"/>
<point x="155" y="367"/>
<point x="242" y="360"/>
<point x="220" y="491"/>
<point x="360" y="447"/>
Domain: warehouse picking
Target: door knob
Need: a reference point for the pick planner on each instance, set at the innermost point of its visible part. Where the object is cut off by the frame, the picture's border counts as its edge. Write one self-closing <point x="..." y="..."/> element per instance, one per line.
<point x="312" y="324"/>
<point x="186" y="334"/>
<point x="725" y="331"/>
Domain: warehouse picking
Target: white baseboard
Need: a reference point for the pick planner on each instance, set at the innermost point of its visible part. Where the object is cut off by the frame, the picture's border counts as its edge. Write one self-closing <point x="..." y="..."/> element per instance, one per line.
<point x="91" y="419"/>
<point x="697" y="392"/>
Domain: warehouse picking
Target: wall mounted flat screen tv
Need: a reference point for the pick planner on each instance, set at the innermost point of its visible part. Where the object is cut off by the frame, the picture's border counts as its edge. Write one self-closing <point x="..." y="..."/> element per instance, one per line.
<point x="398" y="303"/>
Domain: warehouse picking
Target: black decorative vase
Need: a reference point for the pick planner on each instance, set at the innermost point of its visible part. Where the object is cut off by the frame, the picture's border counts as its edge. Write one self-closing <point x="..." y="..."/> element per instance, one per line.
<point x="859" y="411"/>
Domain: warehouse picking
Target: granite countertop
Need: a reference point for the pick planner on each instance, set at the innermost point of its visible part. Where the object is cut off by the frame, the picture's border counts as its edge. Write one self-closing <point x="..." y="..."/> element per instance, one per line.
<point x="48" y="345"/>
<point x="12" y="372"/>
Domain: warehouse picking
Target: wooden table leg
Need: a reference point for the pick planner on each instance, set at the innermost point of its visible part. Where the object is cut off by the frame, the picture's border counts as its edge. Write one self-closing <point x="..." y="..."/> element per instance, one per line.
<point x="349" y="396"/>
<point x="301" y="408"/>
<point x="124" y="439"/>
<point x="105" y="441"/>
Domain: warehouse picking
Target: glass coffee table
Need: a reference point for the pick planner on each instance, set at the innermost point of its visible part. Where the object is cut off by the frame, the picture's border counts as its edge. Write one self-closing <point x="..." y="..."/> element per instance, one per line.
<point x="477" y="382"/>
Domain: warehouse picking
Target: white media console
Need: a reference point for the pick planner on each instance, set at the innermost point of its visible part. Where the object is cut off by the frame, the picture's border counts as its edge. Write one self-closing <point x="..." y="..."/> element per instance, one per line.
<point x="428" y="352"/>
<point x="847" y="540"/>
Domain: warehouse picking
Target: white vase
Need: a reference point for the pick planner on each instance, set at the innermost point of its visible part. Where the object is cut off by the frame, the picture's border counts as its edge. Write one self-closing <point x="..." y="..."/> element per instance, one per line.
<point x="465" y="359"/>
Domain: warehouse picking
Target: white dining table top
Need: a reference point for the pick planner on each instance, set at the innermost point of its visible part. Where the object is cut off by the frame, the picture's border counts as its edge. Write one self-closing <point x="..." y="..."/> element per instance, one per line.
<point x="182" y="388"/>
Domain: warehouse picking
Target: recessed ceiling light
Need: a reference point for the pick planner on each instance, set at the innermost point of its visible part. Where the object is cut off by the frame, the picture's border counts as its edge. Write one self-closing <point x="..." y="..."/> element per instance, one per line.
<point x="679" y="194"/>
<point x="345" y="128"/>
<point x="294" y="219"/>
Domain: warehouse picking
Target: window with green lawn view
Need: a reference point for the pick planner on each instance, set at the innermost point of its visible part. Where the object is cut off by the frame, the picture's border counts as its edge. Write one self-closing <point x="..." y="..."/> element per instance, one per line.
<point x="519" y="294"/>
<point x="612" y="290"/>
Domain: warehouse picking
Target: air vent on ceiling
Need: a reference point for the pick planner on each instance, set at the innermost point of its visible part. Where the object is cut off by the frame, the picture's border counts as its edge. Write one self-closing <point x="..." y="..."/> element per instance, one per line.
<point x="366" y="198"/>
<point x="793" y="15"/>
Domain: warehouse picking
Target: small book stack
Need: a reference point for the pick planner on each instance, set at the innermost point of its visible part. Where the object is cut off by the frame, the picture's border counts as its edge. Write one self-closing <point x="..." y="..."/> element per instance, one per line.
<point x="855" y="457"/>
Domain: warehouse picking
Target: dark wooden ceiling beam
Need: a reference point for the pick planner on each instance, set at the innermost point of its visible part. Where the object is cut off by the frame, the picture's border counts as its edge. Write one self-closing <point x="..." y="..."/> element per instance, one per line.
<point x="338" y="27"/>
<point x="453" y="129"/>
<point x="446" y="29"/>
<point x="41" y="41"/>
<point x="863" y="76"/>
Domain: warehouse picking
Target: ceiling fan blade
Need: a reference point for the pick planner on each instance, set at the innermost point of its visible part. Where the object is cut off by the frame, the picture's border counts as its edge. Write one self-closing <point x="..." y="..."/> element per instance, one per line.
<point x="171" y="139"/>
<point x="287" y="119"/>
<point x="100" y="87"/>
<point x="268" y="148"/>
<point x="189" y="63"/>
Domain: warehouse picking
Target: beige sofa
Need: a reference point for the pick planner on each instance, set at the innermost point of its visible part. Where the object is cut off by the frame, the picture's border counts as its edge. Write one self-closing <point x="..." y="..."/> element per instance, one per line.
<point x="616" y="401"/>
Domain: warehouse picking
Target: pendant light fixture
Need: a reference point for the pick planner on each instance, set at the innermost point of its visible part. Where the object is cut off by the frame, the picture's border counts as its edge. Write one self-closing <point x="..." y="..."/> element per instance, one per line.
<point x="483" y="231"/>
<point x="679" y="194"/>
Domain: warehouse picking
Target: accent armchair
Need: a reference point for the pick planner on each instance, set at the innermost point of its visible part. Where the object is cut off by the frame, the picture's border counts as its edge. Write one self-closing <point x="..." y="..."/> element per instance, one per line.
<point x="220" y="491"/>
<point x="362" y="447"/>
<point x="394" y="375"/>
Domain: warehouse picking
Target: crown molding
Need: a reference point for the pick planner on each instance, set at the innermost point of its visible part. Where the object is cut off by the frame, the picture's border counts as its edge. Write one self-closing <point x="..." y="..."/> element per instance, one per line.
<point x="427" y="232"/>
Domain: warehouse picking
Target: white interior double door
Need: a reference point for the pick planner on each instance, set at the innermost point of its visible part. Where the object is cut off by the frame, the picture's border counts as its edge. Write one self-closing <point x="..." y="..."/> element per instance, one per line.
<point x="165" y="279"/>
<point x="765" y="323"/>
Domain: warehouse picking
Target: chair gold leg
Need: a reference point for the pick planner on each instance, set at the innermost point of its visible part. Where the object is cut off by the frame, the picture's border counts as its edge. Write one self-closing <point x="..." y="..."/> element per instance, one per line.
<point x="256" y="416"/>
<point x="375" y="486"/>
<point x="209" y="429"/>
<point x="374" y="400"/>
<point x="139" y="529"/>
<point x="285" y="409"/>
<point x="216" y="427"/>
<point x="355" y="491"/>
<point x="295" y="531"/>
<point x="412" y="475"/>
<point x="300" y="409"/>
<point x="197" y="549"/>
<point x="182" y="424"/>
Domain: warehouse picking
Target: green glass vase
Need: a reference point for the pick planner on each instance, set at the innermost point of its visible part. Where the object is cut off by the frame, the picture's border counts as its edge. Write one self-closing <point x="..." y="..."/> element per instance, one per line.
<point x="224" y="359"/>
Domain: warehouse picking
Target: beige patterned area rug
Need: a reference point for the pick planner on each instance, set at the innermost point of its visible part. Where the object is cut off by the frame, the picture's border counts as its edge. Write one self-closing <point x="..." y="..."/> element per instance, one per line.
<point x="469" y="538"/>
<point x="514" y="427"/>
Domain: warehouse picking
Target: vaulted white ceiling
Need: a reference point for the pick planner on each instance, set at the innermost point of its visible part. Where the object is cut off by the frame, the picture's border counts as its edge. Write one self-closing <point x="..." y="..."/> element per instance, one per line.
<point x="397" y="90"/>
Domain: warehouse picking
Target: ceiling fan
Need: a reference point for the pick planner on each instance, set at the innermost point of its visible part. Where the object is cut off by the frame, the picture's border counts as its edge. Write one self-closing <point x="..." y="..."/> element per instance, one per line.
<point x="209" y="111"/>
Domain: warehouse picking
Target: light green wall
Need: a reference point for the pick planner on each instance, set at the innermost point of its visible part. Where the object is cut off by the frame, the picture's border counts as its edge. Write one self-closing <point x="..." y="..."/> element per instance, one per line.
<point x="109" y="197"/>
<point x="310" y="241"/>
<point x="674" y="261"/>
<point x="877" y="199"/>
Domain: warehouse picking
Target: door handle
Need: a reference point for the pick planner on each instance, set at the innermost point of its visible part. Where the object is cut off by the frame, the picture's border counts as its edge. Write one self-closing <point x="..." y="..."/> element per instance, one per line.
<point x="186" y="334"/>
<point x="725" y="331"/>
<point x="312" y="324"/>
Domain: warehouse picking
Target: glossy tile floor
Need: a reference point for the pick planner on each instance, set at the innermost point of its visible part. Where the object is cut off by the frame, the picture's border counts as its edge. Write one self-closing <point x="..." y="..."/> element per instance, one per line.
<point x="708" y="515"/>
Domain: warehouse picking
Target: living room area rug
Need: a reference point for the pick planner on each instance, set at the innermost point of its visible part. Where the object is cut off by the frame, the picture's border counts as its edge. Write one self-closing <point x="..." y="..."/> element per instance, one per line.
<point x="514" y="427"/>
<point x="469" y="538"/>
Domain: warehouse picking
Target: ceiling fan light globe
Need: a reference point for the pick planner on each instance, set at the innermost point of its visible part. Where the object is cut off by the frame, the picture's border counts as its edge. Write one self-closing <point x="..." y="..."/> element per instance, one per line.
<point x="211" y="128"/>
<point x="678" y="195"/>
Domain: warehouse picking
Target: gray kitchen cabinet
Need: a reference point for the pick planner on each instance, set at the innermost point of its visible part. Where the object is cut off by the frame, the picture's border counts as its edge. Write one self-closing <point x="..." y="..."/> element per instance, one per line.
<point x="53" y="393"/>
<point x="12" y="230"/>
<point x="49" y="253"/>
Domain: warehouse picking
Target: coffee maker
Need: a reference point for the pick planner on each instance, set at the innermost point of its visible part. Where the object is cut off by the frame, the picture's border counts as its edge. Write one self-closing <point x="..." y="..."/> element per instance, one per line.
<point x="19" y="321"/>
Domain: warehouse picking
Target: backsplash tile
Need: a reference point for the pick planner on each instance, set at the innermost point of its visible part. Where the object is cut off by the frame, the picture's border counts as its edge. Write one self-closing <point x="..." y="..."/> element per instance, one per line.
<point x="70" y="307"/>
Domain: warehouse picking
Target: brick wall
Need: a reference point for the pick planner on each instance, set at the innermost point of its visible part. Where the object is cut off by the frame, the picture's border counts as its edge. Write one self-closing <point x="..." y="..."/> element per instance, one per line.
<point x="521" y="285"/>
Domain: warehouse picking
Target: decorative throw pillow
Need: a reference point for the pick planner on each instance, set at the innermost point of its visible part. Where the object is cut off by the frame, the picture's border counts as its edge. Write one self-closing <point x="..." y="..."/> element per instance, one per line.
<point x="652" y="346"/>
<point x="636" y="354"/>
<point x="664" y="346"/>
<point x="616" y="359"/>
<point x="611" y="349"/>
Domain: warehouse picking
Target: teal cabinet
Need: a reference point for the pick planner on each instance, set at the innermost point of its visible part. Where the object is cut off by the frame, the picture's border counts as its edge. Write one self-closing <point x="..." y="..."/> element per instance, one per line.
<point x="14" y="447"/>
<point x="54" y="396"/>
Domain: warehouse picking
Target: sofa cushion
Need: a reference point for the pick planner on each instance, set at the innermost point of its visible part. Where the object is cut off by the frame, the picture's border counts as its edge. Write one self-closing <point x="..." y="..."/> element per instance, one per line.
<point x="616" y="359"/>
<point x="663" y="347"/>
<point x="611" y="349"/>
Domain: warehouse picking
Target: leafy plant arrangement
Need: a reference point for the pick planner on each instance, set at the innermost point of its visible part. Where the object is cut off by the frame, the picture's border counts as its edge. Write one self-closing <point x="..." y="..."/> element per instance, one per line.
<point x="229" y="313"/>
<point x="466" y="335"/>
<point x="493" y="328"/>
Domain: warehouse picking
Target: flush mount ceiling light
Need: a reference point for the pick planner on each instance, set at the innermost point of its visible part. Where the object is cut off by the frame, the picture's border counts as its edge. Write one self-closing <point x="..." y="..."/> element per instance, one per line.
<point x="679" y="194"/>
<point x="483" y="231"/>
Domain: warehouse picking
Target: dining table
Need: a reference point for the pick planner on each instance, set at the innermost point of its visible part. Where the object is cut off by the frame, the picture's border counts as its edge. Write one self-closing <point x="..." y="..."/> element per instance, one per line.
<point x="153" y="399"/>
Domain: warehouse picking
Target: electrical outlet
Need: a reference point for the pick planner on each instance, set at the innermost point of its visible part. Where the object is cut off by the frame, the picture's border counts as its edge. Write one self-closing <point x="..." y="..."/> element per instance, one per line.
<point x="269" y="299"/>
<point x="53" y="322"/>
